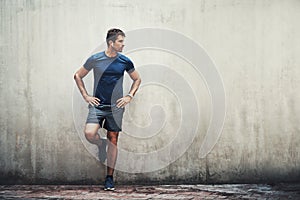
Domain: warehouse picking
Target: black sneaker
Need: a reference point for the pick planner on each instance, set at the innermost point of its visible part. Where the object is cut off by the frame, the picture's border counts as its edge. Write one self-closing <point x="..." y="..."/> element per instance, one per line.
<point x="109" y="184"/>
<point x="102" y="151"/>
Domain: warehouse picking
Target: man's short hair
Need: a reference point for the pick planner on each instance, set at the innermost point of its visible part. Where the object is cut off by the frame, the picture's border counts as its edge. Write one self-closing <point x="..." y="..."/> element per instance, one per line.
<point x="112" y="34"/>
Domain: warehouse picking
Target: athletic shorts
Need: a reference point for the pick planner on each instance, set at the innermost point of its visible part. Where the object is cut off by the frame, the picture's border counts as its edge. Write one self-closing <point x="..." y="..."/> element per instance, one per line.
<point x="109" y="117"/>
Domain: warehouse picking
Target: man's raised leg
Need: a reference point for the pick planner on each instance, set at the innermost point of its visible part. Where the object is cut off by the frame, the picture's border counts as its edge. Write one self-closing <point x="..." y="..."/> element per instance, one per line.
<point x="91" y="134"/>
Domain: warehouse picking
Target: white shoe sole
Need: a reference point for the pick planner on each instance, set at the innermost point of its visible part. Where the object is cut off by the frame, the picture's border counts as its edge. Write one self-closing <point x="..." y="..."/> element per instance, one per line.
<point x="109" y="189"/>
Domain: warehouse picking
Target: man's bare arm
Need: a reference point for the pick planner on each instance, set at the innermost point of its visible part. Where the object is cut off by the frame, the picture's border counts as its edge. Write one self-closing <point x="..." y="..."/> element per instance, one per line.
<point x="122" y="102"/>
<point x="136" y="82"/>
<point x="78" y="76"/>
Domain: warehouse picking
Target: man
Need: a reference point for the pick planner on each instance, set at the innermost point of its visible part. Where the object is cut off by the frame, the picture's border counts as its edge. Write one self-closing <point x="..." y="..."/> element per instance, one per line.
<point x="106" y="106"/>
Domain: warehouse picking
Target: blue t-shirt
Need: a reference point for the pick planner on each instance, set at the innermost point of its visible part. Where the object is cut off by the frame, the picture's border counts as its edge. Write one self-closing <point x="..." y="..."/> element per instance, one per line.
<point x="108" y="76"/>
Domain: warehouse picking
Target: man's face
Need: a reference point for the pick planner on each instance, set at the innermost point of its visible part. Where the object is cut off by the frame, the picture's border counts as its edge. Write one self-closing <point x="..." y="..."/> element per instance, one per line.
<point x="118" y="45"/>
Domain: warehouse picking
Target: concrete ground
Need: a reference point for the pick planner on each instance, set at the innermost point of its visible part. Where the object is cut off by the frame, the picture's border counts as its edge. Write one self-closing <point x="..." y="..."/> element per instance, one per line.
<point x="225" y="191"/>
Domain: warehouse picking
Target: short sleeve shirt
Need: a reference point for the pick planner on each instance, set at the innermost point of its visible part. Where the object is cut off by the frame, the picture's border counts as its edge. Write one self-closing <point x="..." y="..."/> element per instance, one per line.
<point x="108" y="76"/>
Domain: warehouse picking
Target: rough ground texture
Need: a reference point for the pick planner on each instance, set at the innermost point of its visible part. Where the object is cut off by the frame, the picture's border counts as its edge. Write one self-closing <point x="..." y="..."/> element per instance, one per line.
<point x="226" y="191"/>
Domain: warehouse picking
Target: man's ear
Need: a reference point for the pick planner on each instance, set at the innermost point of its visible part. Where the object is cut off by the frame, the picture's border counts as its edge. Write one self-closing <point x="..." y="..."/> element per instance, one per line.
<point x="111" y="42"/>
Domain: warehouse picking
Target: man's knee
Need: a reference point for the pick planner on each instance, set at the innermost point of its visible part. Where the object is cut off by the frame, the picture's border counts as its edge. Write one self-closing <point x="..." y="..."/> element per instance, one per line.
<point x="90" y="134"/>
<point x="113" y="137"/>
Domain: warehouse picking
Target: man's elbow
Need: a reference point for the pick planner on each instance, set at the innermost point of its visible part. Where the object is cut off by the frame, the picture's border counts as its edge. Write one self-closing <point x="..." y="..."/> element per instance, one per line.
<point x="76" y="76"/>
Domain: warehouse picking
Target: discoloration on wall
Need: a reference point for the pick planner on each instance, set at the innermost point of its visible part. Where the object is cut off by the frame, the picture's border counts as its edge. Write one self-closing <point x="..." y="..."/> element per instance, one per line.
<point x="254" y="44"/>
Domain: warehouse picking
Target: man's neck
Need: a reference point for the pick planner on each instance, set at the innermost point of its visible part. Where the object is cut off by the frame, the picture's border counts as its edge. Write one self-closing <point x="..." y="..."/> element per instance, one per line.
<point x="111" y="53"/>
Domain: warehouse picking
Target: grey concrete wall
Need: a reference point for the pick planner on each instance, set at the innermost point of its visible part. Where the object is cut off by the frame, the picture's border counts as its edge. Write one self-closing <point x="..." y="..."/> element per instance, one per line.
<point x="254" y="44"/>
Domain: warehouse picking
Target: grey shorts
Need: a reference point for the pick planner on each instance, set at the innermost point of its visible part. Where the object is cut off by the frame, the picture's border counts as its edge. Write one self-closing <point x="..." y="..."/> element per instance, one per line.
<point x="109" y="117"/>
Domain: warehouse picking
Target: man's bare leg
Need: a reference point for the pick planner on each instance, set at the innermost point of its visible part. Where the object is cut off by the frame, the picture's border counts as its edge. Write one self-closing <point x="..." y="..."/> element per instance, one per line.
<point x="91" y="133"/>
<point x="112" y="151"/>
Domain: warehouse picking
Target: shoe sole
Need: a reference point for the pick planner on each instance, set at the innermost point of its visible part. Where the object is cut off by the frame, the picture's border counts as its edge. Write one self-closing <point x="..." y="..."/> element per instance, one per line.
<point x="109" y="189"/>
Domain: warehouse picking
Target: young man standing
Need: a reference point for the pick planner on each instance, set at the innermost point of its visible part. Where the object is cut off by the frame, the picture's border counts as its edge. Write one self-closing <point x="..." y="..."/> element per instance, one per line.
<point x="106" y="105"/>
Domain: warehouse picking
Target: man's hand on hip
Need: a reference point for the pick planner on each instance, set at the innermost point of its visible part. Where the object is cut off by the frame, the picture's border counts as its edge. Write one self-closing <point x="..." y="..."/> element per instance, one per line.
<point x="122" y="102"/>
<point x="93" y="101"/>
